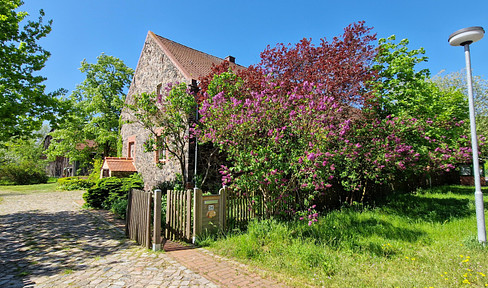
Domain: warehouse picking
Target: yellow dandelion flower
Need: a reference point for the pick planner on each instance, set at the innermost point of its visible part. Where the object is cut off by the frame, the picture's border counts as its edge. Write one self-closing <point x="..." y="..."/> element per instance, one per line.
<point x="461" y="256"/>
<point x="483" y="275"/>
<point x="466" y="281"/>
<point x="469" y="270"/>
<point x="413" y="259"/>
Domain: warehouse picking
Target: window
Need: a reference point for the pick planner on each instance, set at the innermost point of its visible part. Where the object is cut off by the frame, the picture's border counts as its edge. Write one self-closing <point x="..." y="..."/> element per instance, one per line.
<point x="131" y="149"/>
<point x="159" y="89"/>
<point x="161" y="153"/>
<point x="467" y="169"/>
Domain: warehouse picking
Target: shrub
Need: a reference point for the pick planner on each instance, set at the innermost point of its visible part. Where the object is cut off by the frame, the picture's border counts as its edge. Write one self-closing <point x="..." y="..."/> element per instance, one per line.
<point x="97" y="195"/>
<point x="74" y="183"/>
<point x="95" y="173"/>
<point x="23" y="173"/>
<point x="119" y="208"/>
<point x="111" y="193"/>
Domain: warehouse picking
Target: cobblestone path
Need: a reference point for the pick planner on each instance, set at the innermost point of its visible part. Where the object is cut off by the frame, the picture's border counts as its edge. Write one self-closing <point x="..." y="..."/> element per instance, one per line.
<point x="48" y="241"/>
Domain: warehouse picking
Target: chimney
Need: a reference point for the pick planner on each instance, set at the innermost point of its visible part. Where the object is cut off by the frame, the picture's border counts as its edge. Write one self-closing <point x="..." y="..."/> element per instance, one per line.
<point x="231" y="59"/>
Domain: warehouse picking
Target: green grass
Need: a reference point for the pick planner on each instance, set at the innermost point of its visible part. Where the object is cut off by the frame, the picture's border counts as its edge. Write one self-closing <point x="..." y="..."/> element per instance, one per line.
<point x="427" y="239"/>
<point x="28" y="189"/>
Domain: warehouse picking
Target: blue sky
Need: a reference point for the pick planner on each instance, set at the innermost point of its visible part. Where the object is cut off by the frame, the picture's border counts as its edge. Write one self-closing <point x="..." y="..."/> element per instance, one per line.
<point x="85" y="29"/>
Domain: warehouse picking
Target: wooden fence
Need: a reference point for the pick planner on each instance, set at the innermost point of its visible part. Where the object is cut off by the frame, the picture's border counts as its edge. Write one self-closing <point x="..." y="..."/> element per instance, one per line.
<point x="138" y="219"/>
<point x="240" y="209"/>
<point x="179" y="215"/>
<point x="188" y="214"/>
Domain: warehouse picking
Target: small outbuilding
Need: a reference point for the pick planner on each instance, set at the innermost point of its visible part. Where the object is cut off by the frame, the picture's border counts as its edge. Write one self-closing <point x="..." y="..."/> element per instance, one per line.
<point x="117" y="167"/>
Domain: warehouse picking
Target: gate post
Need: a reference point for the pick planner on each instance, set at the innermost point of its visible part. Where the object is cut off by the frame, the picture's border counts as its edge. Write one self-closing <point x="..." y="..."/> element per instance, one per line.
<point x="128" y="212"/>
<point x="157" y="220"/>
<point x="197" y="213"/>
<point x="223" y="208"/>
<point x="167" y="226"/>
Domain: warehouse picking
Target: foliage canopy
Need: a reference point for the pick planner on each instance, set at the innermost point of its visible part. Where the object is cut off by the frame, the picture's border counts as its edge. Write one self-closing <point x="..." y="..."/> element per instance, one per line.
<point x="94" y="113"/>
<point x="24" y="104"/>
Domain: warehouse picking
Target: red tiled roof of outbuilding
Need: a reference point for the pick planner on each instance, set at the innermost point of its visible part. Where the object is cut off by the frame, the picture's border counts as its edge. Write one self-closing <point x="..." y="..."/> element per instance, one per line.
<point x="120" y="164"/>
<point x="192" y="63"/>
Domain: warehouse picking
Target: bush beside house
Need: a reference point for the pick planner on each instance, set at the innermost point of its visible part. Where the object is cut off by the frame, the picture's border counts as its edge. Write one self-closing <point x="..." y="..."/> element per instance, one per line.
<point x="111" y="193"/>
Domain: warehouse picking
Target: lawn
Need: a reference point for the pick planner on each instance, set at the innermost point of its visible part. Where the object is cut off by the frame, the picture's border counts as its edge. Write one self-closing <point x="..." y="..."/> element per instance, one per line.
<point x="426" y="239"/>
<point x="28" y="189"/>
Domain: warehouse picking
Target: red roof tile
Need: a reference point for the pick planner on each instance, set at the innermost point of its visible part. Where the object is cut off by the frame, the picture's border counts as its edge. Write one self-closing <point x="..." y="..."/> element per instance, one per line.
<point x="89" y="143"/>
<point x="120" y="164"/>
<point x="192" y="63"/>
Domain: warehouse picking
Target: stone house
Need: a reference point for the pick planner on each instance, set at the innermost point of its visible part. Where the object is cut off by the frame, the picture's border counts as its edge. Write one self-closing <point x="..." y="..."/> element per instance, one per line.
<point x="161" y="62"/>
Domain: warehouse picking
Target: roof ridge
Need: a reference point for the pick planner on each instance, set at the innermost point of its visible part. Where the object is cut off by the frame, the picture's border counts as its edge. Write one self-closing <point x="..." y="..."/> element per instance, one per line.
<point x="188" y="47"/>
<point x="192" y="63"/>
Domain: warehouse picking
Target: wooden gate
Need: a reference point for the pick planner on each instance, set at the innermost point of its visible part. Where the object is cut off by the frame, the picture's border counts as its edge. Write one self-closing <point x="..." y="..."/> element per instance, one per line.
<point x="138" y="222"/>
<point x="138" y="219"/>
<point x="179" y="215"/>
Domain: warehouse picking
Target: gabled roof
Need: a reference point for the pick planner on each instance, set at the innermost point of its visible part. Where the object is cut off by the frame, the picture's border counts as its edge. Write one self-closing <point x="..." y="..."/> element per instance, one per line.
<point x="119" y="164"/>
<point x="192" y="63"/>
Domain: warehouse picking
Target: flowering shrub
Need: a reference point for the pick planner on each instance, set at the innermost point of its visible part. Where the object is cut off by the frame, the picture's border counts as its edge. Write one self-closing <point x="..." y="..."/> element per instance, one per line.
<point x="336" y="138"/>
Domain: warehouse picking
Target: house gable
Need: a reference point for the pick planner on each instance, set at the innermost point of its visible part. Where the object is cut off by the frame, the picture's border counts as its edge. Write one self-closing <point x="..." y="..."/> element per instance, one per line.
<point x="161" y="62"/>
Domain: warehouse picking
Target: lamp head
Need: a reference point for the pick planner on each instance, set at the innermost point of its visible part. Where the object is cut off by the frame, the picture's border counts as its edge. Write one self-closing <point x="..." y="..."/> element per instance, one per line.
<point x="466" y="36"/>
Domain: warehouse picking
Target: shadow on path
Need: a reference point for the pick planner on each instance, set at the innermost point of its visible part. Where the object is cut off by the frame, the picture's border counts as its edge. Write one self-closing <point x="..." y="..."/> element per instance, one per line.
<point x="39" y="244"/>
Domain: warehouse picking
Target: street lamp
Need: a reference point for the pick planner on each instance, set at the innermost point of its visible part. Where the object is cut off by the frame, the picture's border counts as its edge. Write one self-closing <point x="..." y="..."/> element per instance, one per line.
<point x="464" y="37"/>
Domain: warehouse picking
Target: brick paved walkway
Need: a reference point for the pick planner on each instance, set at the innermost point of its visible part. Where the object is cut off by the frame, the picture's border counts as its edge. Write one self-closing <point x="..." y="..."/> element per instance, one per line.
<point x="46" y="240"/>
<point x="219" y="270"/>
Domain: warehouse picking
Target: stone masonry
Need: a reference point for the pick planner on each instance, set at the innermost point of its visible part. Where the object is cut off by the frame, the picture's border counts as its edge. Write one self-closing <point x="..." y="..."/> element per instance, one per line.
<point x="154" y="69"/>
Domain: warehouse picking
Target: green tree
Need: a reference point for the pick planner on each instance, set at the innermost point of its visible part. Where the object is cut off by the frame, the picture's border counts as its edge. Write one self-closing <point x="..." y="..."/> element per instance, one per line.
<point x="94" y="115"/>
<point x="403" y="89"/>
<point x="24" y="104"/>
<point x="21" y="161"/>
<point x="169" y="118"/>
<point x="456" y="81"/>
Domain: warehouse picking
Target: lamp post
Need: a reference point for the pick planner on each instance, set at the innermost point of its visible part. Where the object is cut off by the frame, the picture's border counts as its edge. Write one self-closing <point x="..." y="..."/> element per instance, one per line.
<point x="464" y="37"/>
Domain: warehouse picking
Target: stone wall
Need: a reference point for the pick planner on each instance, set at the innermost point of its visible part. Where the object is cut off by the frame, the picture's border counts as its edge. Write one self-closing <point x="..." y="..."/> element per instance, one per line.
<point x="154" y="68"/>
